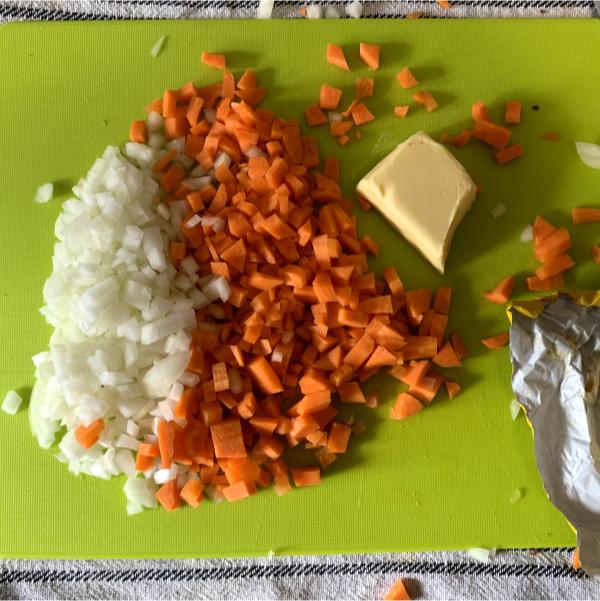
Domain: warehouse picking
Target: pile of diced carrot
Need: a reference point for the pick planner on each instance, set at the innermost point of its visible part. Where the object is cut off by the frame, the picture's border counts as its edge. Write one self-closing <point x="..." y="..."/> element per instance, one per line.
<point x="307" y="323"/>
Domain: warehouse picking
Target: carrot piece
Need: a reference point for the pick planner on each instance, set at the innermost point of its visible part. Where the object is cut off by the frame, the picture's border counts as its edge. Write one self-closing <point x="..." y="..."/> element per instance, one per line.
<point x="138" y="132"/>
<point x="380" y="357"/>
<point x="534" y="284"/>
<point x="177" y="250"/>
<point x="220" y="377"/>
<point x="191" y="493"/>
<point x="558" y="242"/>
<point x="248" y="80"/>
<point x="479" y="111"/>
<point x="143" y="462"/>
<point x="427" y="388"/>
<point x="168" y="496"/>
<point x="169" y="103"/>
<point x="264" y="375"/>
<point x="364" y="87"/>
<point x="406" y="406"/>
<point x="335" y="57"/>
<point x="313" y="402"/>
<point x="149" y="449"/>
<point x="361" y="114"/>
<point x="427" y="100"/>
<point x="575" y="560"/>
<point x="492" y="134"/>
<point x="406" y="79"/>
<point x="452" y="388"/>
<point x="398" y="592"/>
<point x="329" y="97"/>
<point x="551" y="135"/>
<point x="166" y="442"/>
<point x="339" y="128"/>
<point x="461" y="139"/>
<point x="228" y="89"/>
<point x="161" y="165"/>
<point x="542" y="229"/>
<point x="360" y="352"/>
<point x="306" y="476"/>
<point x="596" y="253"/>
<point x="216" y="61"/>
<point x="87" y="436"/>
<point x="447" y="357"/>
<point x="414" y="15"/>
<point x="497" y="341"/>
<point x="369" y="54"/>
<point x="401" y="110"/>
<point x="377" y="304"/>
<point x="512" y="112"/>
<point x="584" y="215"/>
<point x="509" y="153"/>
<point x="501" y="292"/>
<point x="239" y="490"/>
<point x="420" y="347"/>
<point x="554" y="266"/>
<point x="351" y="392"/>
<point x="314" y="116"/>
<point x="393" y="282"/>
<point x="172" y="178"/>
<point x="458" y="345"/>
<point x="338" y="437"/>
<point x="442" y="300"/>
<point x="445" y="4"/>
<point x="227" y="439"/>
<point x="417" y="302"/>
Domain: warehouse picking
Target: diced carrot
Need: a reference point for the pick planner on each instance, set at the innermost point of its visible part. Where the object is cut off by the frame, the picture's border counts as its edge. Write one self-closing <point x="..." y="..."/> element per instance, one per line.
<point x="168" y="496"/>
<point x="492" y="134"/>
<point x="445" y="4"/>
<point x="427" y="389"/>
<point x="264" y="375"/>
<point x="585" y="215"/>
<point x="87" y="436"/>
<point x="509" y="153"/>
<point x="461" y="139"/>
<point x="497" y="341"/>
<point x="313" y="402"/>
<point x="364" y="87"/>
<point x="351" y="392"/>
<point x="191" y="493"/>
<point x="575" y="560"/>
<point x="420" y="347"/>
<point x="213" y="60"/>
<point x="401" y="110"/>
<point x="138" y="132"/>
<point x="542" y="229"/>
<point x="479" y="111"/>
<point x="338" y="437"/>
<point x="314" y="116"/>
<point x="361" y="114"/>
<point x="329" y="97"/>
<point x="441" y="302"/>
<point x="340" y="128"/>
<point x="512" y="113"/>
<point x="335" y="57"/>
<point x="446" y="357"/>
<point x="534" y="284"/>
<point x="406" y="406"/>
<point x="417" y="302"/>
<point x="239" y="490"/>
<point x="369" y="54"/>
<point x="596" y="253"/>
<point x="453" y="388"/>
<point x="398" y="592"/>
<point x="360" y="352"/>
<point x="551" y="135"/>
<point x="427" y="100"/>
<point x="501" y="292"/>
<point x="306" y="476"/>
<point x="557" y="243"/>
<point x="554" y="266"/>
<point x="458" y="345"/>
<point x="406" y="79"/>
<point x="143" y="462"/>
<point x="227" y="439"/>
<point x="414" y="15"/>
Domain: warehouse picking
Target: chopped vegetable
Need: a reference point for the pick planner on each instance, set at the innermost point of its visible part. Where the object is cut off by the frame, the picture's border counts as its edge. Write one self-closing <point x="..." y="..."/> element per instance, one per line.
<point x="551" y="135"/>
<point x="499" y="210"/>
<point x="369" y="54"/>
<point x="492" y="134"/>
<point x="313" y="11"/>
<point x="329" y="97"/>
<point x="87" y="436"/>
<point x="502" y="291"/>
<point x="397" y="592"/>
<point x="512" y="113"/>
<point x="596" y="253"/>
<point x="589" y="154"/>
<point x="306" y="476"/>
<point x="331" y="12"/>
<point x="515" y="408"/>
<point x="265" y="9"/>
<point x="509" y="153"/>
<point x="406" y="406"/>
<point x="526" y="234"/>
<point x="445" y="4"/>
<point x="44" y="193"/>
<point x="158" y="46"/>
<point x="453" y="388"/>
<point x="575" y="560"/>
<point x="479" y="111"/>
<point x="314" y="116"/>
<point x="401" y="111"/>
<point x="168" y="496"/>
<point x="427" y="100"/>
<point x="585" y="215"/>
<point x="364" y="87"/>
<point x="497" y="341"/>
<point x="361" y="114"/>
<point x="11" y="403"/>
<point x="335" y="57"/>
<point x="406" y="79"/>
<point x="212" y="60"/>
<point x="516" y="496"/>
<point x="354" y="9"/>
<point x="482" y="555"/>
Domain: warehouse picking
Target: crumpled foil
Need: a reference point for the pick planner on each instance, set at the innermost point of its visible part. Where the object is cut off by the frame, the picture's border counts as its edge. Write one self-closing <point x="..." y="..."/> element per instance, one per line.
<point x="555" y="353"/>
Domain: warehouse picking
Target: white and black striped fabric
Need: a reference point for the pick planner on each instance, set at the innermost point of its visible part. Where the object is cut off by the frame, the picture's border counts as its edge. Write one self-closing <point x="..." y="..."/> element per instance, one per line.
<point x="513" y="574"/>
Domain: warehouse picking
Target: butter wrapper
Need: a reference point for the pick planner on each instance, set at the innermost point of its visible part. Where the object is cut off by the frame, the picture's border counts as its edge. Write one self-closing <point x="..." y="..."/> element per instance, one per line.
<point x="555" y="354"/>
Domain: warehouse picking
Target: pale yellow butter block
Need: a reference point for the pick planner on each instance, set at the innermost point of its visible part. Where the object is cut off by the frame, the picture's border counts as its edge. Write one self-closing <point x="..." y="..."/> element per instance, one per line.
<point x="424" y="192"/>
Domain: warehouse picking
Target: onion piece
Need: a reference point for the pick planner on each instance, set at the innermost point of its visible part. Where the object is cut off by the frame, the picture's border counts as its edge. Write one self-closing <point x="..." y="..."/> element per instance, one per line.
<point x="12" y="402"/>
<point x="589" y="154"/>
<point x="515" y="408"/>
<point x="44" y="193"/>
<point x="354" y="9"/>
<point x="526" y="234"/>
<point x="158" y="380"/>
<point x="265" y="9"/>
<point x="158" y="46"/>
<point x="516" y="496"/>
<point x="334" y="117"/>
<point x="499" y="210"/>
<point x="141" y="491"/>
<point x="482" y="555"/>
<point x="313" y="11"/>
<point x="331" y="12"/>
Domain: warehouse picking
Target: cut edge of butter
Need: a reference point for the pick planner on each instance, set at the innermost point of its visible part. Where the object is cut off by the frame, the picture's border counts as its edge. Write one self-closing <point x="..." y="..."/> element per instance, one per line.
<point x="424" y="192"/>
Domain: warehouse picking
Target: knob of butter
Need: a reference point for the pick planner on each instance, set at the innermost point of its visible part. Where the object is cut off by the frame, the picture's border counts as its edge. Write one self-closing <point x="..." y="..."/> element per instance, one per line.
<point x="424" y="192"/>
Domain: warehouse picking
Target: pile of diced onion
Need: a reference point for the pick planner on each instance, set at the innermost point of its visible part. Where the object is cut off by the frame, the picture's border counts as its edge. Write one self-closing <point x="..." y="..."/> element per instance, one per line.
<point x="122" y="316"/>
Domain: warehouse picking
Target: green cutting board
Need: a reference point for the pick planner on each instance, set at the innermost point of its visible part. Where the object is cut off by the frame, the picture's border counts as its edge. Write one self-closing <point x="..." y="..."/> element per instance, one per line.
<point x="444" y="478"/>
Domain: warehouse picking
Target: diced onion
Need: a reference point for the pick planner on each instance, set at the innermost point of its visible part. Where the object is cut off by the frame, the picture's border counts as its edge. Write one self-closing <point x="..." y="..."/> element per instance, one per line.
<point x="140" y="491"/>
<point x="482" y="555"/>
<point x="158" y="46"/>
<point x="589" y="154"/>
<point x="526" y="234"/>
<point x="12" y="402"/>
<point x="499" y="210"/>
<point x="516" y="496"/>
<point x="265" y="9"/>
<point x="515" y="408"/>
<point x="313" y="11"/>
<point x="354" y="9"/>
<point x="44" y="193"/>
<point x="331" y="12"/>
<point x="334" y="117"/>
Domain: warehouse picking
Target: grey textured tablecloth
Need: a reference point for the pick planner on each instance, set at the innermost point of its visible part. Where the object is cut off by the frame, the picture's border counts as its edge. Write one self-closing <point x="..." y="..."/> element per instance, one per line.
<point x="527" y="574"/>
